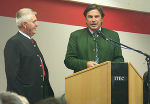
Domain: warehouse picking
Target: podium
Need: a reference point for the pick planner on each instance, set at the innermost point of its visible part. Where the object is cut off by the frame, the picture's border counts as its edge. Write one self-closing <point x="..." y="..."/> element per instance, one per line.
<point x="106" y="83"/>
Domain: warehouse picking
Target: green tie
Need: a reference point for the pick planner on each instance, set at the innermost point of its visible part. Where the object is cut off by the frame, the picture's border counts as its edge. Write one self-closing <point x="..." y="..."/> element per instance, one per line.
<point x="96" y="57"/>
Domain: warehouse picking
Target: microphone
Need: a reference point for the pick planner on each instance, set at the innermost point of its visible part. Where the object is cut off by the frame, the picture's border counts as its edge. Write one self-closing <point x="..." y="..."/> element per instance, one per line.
<point x="101" y="34"/>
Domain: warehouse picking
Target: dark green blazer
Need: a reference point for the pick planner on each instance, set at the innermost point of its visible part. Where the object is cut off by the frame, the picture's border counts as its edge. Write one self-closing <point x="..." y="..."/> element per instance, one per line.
<point x="82" y="45"/>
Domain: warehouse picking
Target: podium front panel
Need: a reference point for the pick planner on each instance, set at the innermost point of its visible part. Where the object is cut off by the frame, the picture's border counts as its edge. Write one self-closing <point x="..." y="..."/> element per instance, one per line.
<point x="119" y="83"/>
<point x="90" y="86"/>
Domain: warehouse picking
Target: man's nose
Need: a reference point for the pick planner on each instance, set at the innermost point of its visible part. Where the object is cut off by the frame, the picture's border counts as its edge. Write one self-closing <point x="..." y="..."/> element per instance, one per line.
<point x="36" y="24"/>
<point x="93" y="19"/>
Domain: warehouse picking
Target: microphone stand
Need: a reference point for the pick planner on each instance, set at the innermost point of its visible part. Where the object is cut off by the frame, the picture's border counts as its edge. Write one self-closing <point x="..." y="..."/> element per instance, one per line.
<point x="138" y="51"/>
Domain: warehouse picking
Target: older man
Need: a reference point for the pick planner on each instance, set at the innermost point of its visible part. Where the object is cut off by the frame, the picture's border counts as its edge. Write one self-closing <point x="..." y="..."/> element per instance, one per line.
<point x="25" y="67"/>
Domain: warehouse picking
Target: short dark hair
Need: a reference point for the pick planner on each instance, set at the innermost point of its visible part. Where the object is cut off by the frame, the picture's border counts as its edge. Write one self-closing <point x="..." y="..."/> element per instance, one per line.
<point x="92" y="7"/>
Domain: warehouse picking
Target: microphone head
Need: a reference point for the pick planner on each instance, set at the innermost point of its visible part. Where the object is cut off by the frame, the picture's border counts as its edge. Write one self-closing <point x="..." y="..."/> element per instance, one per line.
<point x="98" y="32"/>
<point x="101" y="34"/>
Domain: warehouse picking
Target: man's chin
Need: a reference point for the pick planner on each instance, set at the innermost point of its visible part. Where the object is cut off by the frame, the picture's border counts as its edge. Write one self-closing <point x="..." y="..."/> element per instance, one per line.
<point x="34" y="32"/>
<point x="94" y="29"/>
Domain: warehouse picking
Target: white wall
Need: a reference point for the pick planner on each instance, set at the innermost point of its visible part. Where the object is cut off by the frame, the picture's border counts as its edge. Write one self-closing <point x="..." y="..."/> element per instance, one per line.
<point x="7" y="29"/>
<point x="139" y="42"/>
<point x="52" y="39"/>
<point x="137" y="5"/>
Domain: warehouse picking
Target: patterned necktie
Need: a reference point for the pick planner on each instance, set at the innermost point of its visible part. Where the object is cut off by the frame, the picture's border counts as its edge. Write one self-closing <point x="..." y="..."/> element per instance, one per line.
<point x="40" y="60"/>
<point x="96" y="57"/>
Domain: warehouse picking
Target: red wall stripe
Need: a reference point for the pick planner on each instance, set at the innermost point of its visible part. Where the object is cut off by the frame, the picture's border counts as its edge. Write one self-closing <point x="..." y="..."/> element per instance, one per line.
<point x="58" y="11"/>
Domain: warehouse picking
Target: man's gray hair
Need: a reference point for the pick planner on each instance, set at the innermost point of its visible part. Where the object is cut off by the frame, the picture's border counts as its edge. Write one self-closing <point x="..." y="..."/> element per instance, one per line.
<point x="24" y="15"/>
<point x="12" y="98"/>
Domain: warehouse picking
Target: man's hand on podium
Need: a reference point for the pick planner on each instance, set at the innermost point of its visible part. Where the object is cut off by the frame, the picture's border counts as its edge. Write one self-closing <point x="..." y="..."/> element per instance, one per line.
<point x="91" y="64"/>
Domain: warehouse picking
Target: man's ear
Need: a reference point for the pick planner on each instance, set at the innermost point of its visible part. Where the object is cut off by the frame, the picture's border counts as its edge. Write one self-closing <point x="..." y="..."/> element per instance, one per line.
<point x="24" y="24"/>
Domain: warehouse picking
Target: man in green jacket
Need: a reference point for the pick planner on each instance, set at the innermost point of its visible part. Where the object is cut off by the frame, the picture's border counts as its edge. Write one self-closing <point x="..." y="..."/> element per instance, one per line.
<point x="87" y="48"/>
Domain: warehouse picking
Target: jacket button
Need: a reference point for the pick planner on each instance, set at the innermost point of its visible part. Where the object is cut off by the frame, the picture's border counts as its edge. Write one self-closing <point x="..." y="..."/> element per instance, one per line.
<point x="41" y="86"/>
<point x="37" y="55"/>
<point x="40" y="65"/>
<point x="94" y="49"/>
<point x="34" y="45"/>
<point x="42" y="76"/>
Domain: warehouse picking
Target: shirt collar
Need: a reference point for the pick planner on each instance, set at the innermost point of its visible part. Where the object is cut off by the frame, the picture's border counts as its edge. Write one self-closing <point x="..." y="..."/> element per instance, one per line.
<point x="93" y="31"/>
<point x="24" y="34"/>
